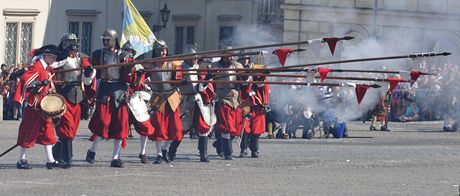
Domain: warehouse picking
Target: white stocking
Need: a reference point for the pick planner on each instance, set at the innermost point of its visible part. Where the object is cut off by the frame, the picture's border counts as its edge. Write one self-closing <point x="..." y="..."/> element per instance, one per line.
<point x="143" y="144"/>
<point x="94" y="145"/>
<point x="158" y="147"/>
<point x="22" y="153"/>
<point x="116" y="149"/>
<point x="49" y="154"/>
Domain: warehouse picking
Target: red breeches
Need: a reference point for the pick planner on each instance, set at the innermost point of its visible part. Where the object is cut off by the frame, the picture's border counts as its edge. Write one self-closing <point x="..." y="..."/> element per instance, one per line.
<point x="168" y="125"/>
<point x="110" y="122"/>
<point x="67" y="127"/>
<point x="34" y="128"/>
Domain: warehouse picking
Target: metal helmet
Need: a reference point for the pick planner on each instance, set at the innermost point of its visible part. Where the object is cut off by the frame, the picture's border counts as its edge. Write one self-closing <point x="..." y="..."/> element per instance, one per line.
<point x="110" y="35"/>
<point x="190" y="49"/>
<point x="69" y="41"/>
<point x="159" y="45"/>
<point x="69" y="36"/>
<point x="128" y="46"/>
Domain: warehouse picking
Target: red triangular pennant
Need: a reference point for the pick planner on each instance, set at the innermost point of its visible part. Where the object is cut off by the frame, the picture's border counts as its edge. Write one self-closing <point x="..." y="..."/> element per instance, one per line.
<point x="361" y="90"/>
<point x="282" y="54"/>
<point x="414" y="75"/>
<point x="393" y="83"/>
<point x="323" y="73"/>
<point x="331" y="42"/>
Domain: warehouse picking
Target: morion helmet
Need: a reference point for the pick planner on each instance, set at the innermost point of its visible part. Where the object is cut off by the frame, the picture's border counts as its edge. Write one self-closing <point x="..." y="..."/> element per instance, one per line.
<point x="128" y="46"/>
<point x="111" y="35"/>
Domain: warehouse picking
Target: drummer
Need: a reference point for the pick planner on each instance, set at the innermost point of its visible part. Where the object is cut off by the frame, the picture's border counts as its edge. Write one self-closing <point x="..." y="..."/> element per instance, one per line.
<point x="35" y="127"/>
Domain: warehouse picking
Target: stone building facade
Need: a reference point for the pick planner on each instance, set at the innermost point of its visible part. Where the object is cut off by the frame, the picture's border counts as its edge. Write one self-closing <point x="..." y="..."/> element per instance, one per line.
<point x="29" y="24"/>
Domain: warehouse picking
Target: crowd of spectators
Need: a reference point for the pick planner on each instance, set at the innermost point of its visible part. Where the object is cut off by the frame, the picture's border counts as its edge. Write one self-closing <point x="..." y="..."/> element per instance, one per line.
<point x="11" y="110"/>
<point x="430" y="98"/>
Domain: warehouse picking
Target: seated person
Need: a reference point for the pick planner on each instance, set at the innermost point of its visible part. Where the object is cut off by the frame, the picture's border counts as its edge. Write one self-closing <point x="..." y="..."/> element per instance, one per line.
<point x="305" y="119"/>
<point x="411" y="113"/>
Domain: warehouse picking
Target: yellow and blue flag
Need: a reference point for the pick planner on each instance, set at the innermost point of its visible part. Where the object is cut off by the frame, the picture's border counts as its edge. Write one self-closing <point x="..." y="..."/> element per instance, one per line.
<point x="135" y="30"/>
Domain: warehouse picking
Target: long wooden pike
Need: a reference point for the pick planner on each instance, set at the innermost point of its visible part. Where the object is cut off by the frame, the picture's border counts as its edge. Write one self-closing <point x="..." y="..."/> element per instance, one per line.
<point x="253" y="82"/>
<point x="219" y="75"/>
<point x="285" y="68"/>
<point x="161" y="59"/>
<point x="376" y="71"/>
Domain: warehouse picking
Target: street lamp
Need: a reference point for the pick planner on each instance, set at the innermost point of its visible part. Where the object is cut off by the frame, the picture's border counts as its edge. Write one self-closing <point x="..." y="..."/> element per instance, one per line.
<point x="164" y="14"/>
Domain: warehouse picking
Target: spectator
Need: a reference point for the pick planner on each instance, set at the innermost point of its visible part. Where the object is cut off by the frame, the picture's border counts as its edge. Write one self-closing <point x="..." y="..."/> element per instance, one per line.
<point x="411" y="113"/>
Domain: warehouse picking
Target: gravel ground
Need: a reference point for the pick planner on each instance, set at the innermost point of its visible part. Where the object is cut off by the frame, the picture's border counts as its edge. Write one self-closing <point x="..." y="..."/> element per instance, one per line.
<point x="412" y="159"/>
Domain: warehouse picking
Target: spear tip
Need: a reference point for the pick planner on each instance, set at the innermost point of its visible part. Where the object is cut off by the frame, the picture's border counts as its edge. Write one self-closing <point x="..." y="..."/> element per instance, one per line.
<point x="375" y="86"/>
<point x="348" y="38"/>
<point x="446" y="53"/>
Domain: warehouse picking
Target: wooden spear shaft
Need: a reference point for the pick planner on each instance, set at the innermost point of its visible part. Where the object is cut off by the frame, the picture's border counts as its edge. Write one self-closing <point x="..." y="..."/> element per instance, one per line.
<point x="162" y="59"/>
<point x="298" y="76"/>
<point x="282" y="69"/>
<point x="246" y="82"/>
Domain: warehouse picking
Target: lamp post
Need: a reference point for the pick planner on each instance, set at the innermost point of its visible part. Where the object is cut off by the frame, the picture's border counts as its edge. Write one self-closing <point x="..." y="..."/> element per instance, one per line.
<point x="164" y="14"/>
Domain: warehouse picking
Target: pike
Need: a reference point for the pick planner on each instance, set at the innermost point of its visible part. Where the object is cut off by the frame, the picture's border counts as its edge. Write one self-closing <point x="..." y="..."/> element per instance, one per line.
<point x="162" y="59"/>
<point x="301" y="76"/>
<point x="198" y="54"/>
<point x="254" y="82"/>
<point x="288" y="68"/>
<point x="376" y="71"/>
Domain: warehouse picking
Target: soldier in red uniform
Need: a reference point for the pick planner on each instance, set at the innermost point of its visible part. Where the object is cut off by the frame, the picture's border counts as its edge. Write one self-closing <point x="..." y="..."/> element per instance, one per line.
<point x="228" y="109"/>
<point x="165" y="103"/>
<point x="110" y="118"/>
<point x="32" y="87"/>
<point x="73" y="92"/>
<point x="197" y="106"/>
<point x="254" y="96"/>
<point x="138" y="112"/>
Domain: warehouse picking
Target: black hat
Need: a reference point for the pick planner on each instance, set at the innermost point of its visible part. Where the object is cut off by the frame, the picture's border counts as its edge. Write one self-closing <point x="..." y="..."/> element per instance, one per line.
<point x="52" y="49"/>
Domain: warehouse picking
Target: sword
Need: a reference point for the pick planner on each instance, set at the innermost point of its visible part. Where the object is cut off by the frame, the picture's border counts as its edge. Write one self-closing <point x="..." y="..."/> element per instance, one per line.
<point x="9" y="149"/>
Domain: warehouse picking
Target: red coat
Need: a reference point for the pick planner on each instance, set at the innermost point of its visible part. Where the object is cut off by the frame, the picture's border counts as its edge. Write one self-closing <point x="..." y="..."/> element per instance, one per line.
<point x="207" y="94"/>
<point x="34" y="127"/>
<point x="257" y="102"/>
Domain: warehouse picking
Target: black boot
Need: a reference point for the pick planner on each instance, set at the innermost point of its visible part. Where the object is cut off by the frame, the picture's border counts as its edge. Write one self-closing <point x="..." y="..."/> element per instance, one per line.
<point x="165" y="156"/>
<point x="173" y="149"/>
<point x="117" y="163"/>
<point x="90" y="156"/>
<point x="203" y="148"/>
<point x="384" y="128"/>
<point x="51" y="165"/>
<point x="66" y="154"/>
<point x="372" y="128"/>
<point x="158" y="160"/>
<point x="244" y="145"/>
<point x="227" y="147"/>
<point x="218" y="143"/>
<point x="144" y="158"/>
<point x="23" y="164"/>
<point x="254" y="145"/>
<point x="57" y="150"/>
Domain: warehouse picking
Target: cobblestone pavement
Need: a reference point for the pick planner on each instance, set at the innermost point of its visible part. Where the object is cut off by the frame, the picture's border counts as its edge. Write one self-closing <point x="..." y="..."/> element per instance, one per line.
<point x="412" y="159"/>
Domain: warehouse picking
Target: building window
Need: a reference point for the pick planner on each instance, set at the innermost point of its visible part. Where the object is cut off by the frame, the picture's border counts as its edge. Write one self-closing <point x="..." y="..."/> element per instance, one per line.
<point x="18" y="42"/>
<point x="180" y="42"/>
<point x="226" y="38"/>
<point x="84" y="31"/>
